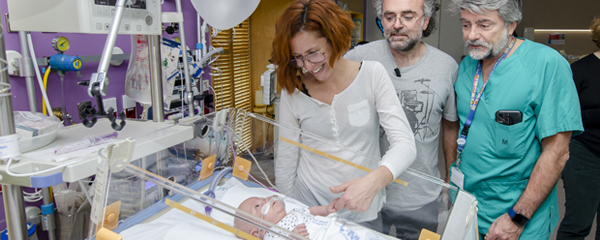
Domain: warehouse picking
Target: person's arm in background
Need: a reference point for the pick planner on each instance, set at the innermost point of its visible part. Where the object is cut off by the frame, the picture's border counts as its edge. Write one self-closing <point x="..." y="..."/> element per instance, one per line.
<point x="359" y="192"/>
<point x="450" y="124"/>
<point x="288" y="155"/>
<point x="589" y="116"/>
<point x="547" y="170"/>
<point x="450" y="131"/>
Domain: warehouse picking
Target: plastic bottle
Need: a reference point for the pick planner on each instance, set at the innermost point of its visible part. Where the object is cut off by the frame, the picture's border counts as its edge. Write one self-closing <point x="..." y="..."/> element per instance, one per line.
<point x="268" y="81"/>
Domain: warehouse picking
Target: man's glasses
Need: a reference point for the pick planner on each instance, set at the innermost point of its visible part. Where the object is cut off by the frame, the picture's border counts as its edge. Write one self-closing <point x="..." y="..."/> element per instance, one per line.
<point x="407" y="20"/>
<point x="314" y="57"/>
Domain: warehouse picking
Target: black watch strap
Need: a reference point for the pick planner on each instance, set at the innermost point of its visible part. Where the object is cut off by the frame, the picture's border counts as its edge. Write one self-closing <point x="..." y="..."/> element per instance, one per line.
<point x="517" y="217"/>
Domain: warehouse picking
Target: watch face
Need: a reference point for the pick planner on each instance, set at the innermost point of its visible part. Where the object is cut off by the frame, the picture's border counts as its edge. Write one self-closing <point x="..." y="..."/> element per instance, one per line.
<point x="519" y="219"/>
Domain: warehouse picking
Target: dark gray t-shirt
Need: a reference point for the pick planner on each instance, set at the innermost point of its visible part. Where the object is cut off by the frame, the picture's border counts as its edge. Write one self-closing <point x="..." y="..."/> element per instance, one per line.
<point x="426" y="92"/>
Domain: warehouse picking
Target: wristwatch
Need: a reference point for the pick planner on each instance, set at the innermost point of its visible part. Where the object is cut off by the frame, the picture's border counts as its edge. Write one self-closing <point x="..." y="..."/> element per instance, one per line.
<point x="517" y="218"/>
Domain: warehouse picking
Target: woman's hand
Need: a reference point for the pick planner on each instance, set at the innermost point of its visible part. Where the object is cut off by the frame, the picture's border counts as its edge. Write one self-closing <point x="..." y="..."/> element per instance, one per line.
<point x="359" y="192"/>
<point x="331" y="207"/>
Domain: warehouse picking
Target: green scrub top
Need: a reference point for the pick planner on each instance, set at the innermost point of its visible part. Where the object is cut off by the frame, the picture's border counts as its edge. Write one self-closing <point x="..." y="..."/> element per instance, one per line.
<point x="498" y="159"/>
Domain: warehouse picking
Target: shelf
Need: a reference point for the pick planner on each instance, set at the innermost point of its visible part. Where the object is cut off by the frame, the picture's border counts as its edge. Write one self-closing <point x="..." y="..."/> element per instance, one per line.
<point x="150" y="137"/>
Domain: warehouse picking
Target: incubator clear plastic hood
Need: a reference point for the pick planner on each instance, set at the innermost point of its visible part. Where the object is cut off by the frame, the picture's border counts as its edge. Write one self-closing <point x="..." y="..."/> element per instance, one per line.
<point x="164" y="195"/>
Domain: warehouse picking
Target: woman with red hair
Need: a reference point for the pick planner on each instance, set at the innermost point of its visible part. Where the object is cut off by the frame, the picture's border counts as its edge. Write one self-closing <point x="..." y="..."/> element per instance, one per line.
<point x="342" y="101"/>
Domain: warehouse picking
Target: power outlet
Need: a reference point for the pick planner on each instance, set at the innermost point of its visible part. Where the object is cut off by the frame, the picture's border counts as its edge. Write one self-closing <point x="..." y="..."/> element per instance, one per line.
<point x="205" y="85"/>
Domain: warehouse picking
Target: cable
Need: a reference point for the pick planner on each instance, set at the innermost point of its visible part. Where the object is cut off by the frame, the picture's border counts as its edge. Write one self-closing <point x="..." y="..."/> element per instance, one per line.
<point x="33" y="173"/>
<point x="238" y="166"/>
<point x="32" y="197"/>
<point x="6" y="88"/>
<point x="251" y="155"/>
<point x="45" y="81"/>
<point x="37" y="73"/>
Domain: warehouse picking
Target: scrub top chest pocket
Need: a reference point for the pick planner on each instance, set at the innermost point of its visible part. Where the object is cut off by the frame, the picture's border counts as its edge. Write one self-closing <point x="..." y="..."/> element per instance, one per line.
<point x="358" y="114"/>
<point x="509" y="133"/>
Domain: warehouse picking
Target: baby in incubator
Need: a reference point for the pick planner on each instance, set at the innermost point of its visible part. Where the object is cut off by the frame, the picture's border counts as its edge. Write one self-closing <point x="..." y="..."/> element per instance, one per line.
<point x="272" y="209"/>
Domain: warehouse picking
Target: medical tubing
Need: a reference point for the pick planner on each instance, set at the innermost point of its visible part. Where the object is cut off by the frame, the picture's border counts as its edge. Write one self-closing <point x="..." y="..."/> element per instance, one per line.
<point x="38" y="74"/>
<point x="209" y="54"/>
<point x="213" y="184"/>
<point x="251" y="155"/>
<point x="238" y="166"/>
<point x="6" y="88"/>
<point x="7" y="170"/>
<point x="45" y="81"/>
<point x="85" y="190"/>
<point x="213" y="203"/>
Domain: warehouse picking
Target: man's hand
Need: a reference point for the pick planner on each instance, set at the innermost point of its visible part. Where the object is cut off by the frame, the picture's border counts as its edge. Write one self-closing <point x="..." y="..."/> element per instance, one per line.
<point x="503" y="228"/>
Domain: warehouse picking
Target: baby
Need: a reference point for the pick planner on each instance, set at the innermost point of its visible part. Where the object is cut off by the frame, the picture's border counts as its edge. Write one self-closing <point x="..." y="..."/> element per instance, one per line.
<point x="272" y="209"/>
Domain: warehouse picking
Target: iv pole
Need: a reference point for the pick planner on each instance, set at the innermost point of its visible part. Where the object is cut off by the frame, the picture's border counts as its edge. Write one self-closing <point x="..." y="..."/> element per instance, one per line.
<point x="14" y="208"/>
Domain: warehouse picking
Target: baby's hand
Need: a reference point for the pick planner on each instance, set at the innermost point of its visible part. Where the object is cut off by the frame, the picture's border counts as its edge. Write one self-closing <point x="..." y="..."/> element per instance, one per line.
<point x="301" y="229"/>
<point x="331" y="207"/>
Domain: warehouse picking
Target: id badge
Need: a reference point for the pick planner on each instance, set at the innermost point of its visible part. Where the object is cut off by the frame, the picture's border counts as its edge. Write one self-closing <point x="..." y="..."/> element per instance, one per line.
<point x="457" y="177"/>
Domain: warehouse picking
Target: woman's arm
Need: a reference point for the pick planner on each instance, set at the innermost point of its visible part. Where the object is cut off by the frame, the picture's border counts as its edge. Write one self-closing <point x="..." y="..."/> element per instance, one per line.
<point x="360" y="192"/>
<point x="402" y="152"/>
<point x="288" y="155"/>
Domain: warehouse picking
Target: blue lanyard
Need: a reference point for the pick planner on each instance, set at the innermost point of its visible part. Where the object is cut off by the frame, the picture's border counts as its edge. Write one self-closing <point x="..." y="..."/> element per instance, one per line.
<point x="475" y="97"/>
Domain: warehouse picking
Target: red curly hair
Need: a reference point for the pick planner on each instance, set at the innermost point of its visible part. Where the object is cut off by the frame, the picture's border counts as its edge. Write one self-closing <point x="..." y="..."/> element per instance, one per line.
<point x="321" y="17"/>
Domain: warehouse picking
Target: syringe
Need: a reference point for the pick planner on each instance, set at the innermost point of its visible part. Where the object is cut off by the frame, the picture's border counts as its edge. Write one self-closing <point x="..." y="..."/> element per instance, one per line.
<point x="89" y="141"/>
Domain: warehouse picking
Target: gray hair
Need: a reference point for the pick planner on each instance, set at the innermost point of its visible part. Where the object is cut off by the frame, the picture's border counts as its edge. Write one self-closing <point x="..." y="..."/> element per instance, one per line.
<point x="508" y="10"/>
<point x="429" y="9"/>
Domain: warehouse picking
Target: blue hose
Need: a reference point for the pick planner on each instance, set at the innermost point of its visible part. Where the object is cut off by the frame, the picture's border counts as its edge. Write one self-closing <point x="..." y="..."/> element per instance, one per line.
<point x="211" y="190"/>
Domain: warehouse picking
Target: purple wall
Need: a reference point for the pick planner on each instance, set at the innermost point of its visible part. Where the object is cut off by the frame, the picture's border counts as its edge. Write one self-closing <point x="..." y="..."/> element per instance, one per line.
<point x="81" y="44"/>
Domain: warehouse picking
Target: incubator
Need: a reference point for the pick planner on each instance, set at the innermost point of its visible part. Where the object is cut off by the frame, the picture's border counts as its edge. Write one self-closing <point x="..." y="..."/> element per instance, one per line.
<point x="194" y="189"/>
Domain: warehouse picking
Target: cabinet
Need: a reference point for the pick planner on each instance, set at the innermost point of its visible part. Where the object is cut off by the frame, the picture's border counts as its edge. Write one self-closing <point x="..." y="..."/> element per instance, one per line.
<point x="358" y="19"/>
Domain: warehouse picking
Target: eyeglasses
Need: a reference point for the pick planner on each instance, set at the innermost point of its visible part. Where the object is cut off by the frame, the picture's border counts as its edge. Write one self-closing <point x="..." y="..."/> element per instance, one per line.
<point x="407" y="20"/>
<point x="314" y="57"/>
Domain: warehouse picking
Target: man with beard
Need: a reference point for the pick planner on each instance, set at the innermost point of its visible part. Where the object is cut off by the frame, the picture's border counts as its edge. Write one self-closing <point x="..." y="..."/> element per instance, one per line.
<point x="518" y="108"/>
<point x="423" y="77"/>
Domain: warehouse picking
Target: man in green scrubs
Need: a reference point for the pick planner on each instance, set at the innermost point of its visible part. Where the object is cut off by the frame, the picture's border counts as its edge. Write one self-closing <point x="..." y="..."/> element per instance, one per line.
<point x="518" y="108"/>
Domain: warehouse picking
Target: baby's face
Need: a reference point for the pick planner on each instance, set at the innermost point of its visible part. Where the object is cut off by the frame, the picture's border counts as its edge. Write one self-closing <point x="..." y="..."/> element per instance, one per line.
<point x="254" y="205"/>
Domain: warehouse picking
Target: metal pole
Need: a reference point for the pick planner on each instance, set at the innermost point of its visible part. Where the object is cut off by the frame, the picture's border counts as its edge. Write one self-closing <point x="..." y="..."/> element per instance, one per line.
<point x="27" y="71"/>
<point x="189" y="94"/>
<point x="14" y="208"/>
<point x="49" y="219"/>
<point x="158" y="115"/>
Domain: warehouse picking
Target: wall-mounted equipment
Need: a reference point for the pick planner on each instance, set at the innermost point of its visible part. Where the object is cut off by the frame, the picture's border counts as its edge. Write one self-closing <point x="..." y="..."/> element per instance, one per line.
<point x="76" y="16"/>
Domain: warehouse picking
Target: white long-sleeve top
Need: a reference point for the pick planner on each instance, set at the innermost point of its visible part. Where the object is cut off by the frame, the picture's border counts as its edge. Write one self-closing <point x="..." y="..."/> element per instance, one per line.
<point x="352" y="120"/>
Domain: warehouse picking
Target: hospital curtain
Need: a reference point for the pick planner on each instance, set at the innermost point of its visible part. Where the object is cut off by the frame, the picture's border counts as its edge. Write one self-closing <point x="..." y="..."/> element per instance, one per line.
<point x="232" y="86"/>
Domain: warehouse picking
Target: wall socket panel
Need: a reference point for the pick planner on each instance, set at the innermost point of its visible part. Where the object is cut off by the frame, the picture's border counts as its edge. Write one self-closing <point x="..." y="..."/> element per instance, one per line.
<point x="205" y="85"/>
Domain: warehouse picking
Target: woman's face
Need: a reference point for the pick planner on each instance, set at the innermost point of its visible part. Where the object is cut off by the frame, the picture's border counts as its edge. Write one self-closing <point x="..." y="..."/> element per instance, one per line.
<point x="308" y="43"/>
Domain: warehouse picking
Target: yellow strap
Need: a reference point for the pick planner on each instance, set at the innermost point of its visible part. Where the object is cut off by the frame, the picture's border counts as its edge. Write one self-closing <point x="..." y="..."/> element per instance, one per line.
<point x="210" y="220"/>
<point x="327" y="155"/>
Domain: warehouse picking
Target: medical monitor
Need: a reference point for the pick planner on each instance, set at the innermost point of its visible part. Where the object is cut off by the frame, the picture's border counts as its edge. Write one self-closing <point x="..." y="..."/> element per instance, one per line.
<point x="84" y="16"/>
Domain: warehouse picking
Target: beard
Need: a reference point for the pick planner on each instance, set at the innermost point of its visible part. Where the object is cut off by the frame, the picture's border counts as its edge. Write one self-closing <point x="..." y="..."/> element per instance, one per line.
<point x="491" y="49"/>
<point x="414" y="37"/>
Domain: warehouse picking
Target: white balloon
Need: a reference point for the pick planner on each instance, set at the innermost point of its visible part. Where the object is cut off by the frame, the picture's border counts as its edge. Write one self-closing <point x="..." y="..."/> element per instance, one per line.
<point x="225" y="14"/>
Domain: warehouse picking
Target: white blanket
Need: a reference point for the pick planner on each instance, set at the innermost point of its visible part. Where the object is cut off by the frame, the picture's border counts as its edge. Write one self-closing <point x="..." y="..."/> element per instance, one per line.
<point x="178" y="225"/>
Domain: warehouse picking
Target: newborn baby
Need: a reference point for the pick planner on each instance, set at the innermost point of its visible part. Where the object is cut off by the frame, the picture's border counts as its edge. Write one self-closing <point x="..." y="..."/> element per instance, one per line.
<point x="272" y="209"/>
